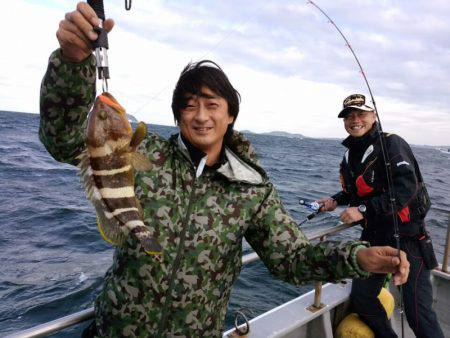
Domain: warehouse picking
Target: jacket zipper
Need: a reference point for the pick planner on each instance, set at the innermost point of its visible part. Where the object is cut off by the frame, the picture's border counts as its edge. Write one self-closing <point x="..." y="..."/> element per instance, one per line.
<point x="176" y="263"/>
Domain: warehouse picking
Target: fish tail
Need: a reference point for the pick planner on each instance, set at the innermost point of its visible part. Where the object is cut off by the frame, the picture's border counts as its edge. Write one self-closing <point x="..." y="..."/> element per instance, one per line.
<point x="148" y="242"/>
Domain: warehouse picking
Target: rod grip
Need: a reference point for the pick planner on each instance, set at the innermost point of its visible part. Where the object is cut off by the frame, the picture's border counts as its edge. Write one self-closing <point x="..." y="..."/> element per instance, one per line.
<point x="102" y="40"/>
<point x="97" y="6"/>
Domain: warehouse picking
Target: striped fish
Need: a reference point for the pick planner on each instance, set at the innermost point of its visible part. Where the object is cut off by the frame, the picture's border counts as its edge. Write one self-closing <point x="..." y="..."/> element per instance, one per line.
<point x="107" y="172"/>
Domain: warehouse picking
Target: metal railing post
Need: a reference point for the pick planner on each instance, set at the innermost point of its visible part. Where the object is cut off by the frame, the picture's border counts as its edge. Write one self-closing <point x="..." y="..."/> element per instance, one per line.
<point x="318" y="295"/>
<point x="317" y="305"/>
<point x="447" y="248"/>
<point x="447" y="240"/>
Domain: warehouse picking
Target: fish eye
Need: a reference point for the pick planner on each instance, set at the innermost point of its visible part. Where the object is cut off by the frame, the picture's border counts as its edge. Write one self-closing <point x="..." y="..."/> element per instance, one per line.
<point x="102" y="114"/>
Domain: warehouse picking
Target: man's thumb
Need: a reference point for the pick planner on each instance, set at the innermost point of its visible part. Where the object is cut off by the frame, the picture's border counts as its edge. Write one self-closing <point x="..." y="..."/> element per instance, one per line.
<point x="108" y="24"/>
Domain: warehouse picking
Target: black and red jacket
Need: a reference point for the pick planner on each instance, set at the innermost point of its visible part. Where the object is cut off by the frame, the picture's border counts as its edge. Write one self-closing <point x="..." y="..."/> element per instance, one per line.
<point x="364" y="181"/>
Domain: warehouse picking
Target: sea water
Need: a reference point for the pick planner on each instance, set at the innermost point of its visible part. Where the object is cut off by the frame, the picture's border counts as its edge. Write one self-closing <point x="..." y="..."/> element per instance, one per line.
<point x="53" y="259"/>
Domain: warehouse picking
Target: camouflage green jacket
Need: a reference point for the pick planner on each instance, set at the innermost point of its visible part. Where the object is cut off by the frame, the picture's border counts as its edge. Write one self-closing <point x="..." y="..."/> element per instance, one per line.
<point x="200" y="222"/>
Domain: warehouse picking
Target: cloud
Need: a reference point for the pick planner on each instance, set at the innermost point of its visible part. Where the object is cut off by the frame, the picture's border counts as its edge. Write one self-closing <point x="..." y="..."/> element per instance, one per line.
<point x="262" y="36"/>
<point x="283" y="56"/>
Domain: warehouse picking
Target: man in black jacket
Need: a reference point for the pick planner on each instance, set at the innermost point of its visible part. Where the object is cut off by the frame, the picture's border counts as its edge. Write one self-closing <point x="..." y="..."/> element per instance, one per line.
<point x="365" y="191"/>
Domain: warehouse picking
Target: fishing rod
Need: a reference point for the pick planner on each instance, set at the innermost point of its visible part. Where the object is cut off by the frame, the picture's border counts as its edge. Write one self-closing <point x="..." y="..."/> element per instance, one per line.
<point x="100" y="46"/>
<point x="387" y="164"/>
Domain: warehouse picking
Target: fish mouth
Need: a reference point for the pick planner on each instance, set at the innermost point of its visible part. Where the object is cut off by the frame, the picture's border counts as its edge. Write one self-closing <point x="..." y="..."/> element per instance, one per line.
<point x="110" y="101"/>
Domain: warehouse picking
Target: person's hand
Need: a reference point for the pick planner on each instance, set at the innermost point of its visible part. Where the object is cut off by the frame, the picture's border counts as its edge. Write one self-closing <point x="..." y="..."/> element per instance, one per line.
<point x="329" y="204"/>
<point x="76" y="32"/>
<point x="351" y="215"/>
<point x="384" y="259"/>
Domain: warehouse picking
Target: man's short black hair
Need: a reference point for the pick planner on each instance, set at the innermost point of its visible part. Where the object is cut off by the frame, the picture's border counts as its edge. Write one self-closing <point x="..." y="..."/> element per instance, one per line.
<point x="205" y="73"/>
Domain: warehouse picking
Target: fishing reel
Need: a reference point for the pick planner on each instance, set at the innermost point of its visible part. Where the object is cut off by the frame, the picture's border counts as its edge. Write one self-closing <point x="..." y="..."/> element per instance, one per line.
<point x="312" y="205"/>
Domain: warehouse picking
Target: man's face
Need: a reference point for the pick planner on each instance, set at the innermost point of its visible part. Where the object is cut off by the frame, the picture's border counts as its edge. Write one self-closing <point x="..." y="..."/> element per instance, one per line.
<point x="359" y="122"/>
<point x="204" y="120"/>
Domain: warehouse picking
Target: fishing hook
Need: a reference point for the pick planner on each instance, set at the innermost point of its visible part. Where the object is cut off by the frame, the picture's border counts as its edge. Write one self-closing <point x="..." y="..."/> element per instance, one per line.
<point x="100" y="45"/>
<point x="387" y="163"/>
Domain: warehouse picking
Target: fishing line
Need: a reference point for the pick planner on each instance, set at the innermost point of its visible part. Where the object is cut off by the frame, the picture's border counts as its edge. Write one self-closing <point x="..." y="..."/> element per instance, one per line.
<point x="387" y="164"/>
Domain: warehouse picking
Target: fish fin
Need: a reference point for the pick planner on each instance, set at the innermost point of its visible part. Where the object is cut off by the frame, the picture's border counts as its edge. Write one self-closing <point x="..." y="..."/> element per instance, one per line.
<point x="109" y="236"/>
<point x="111" y="230"/>
<point x="149" y="243"/>
<point x="140" y="210"/>
<point x="138" y="136"/>
<point x="140" y="162"/>
<point x="85" y="173"/>
<point x="87" y="179"/>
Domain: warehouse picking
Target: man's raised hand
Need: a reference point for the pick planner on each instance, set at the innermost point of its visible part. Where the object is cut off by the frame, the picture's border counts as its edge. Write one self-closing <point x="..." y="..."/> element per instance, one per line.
<point x="76" y="32"/>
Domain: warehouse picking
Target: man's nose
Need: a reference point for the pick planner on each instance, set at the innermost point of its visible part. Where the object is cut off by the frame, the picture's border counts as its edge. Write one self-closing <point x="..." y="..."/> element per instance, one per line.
<point x="202" y="113"/>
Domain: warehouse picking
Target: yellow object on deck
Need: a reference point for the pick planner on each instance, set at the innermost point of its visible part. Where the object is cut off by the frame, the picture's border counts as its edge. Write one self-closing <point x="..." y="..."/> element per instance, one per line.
<point x="353" y="327"/>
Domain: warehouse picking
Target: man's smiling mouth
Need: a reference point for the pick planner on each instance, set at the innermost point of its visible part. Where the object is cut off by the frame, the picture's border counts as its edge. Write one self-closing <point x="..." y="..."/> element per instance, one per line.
<point x="202" y="129"/>
<point x="357" y="127"/>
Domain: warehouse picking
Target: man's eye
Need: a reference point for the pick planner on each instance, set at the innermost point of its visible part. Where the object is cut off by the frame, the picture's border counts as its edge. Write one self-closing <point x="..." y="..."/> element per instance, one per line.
<point x="213" y="105"/>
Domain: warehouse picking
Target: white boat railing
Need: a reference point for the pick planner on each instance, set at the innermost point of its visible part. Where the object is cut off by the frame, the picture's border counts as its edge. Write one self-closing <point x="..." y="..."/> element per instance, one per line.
<point x="81" y="316"/>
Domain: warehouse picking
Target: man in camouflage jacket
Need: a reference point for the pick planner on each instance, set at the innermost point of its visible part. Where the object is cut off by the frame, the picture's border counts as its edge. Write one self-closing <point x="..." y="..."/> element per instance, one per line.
<point x="199" y="216"/>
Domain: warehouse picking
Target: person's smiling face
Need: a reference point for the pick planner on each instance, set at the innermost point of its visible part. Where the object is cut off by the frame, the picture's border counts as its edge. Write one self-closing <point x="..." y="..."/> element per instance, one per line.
<point x="359" y="122"/>
<point x="204" y="121"/>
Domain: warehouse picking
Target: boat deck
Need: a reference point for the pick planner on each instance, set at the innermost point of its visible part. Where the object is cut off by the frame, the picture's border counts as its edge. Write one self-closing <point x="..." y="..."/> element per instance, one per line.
<point x="298" y="319"/>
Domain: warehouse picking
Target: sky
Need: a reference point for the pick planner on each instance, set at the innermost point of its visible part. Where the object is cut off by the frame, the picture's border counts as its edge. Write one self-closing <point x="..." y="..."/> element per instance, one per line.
<point x="289" y="64"/>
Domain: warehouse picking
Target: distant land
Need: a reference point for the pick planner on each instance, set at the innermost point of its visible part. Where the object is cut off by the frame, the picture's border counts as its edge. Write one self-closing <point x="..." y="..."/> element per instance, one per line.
<point x="291" y="135"/>
<point x="131" y="118"/>
<point x="276" y="133"/>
